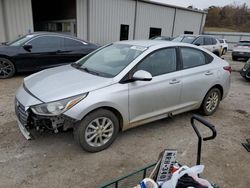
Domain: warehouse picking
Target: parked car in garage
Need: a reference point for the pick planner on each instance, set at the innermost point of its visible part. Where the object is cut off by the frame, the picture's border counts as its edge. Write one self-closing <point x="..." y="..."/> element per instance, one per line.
<point x="38" y="51"/>
<point x="241" y="50"/>
<point x="245" y="72"/>
<point x="120" y="86"/>
<point x="224" y="46"/>
<point x="208" y="42"/>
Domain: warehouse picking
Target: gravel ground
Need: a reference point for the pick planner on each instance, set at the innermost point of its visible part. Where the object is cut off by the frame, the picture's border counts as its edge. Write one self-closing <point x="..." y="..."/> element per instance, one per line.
<point x="56" y="161"/>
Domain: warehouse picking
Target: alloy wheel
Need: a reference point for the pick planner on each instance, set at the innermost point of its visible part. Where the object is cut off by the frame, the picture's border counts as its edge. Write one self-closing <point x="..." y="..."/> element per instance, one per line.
<point x="212" y="101"/>
<point x="7" y="68"/>
<point x="99" y="131"/>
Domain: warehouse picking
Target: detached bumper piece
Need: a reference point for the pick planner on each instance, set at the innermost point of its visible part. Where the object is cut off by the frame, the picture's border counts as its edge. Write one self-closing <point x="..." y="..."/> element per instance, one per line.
<point x="24" y="131"/>
<point x="22" y="119"/>
<point x="28" y="122"/>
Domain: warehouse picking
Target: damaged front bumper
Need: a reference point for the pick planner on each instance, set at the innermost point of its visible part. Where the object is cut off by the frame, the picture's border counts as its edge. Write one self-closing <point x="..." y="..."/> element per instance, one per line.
<point x="28" y="122"/>
<point x="24" y="131"/>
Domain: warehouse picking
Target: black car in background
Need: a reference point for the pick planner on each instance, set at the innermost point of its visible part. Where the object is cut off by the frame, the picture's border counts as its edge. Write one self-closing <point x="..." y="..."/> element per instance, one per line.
<point x="245" y="72"/>
<point x="38" y="51"/>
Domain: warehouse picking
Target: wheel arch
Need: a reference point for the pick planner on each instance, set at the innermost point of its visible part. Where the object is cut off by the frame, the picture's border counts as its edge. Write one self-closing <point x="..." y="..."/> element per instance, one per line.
<point x="113" y="110"/>
<point x="9" y="58"/>
<point x="218" y="86"/>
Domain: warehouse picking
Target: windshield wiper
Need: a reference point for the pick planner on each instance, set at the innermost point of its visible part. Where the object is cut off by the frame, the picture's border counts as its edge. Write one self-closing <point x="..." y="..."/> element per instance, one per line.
<point x="88" y="71"/>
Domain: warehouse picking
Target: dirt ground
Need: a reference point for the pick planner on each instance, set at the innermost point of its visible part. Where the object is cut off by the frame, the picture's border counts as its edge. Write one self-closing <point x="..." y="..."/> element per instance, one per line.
<point x="57" y="161"/>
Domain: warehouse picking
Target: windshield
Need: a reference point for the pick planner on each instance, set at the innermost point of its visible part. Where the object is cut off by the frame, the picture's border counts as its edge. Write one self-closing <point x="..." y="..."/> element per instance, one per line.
<point x="178" y="39"/>
<point x="20" y="40"/>
<point x="110" y="60"/>
<point x="188" y="39"/>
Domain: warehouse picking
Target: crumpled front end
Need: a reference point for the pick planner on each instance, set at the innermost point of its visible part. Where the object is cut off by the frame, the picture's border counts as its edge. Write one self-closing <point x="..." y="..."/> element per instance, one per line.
<point x="29" y="123"/>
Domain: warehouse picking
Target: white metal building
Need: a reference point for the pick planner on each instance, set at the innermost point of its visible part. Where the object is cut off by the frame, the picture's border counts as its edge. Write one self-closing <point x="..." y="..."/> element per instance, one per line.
<point x="98" y="21"/>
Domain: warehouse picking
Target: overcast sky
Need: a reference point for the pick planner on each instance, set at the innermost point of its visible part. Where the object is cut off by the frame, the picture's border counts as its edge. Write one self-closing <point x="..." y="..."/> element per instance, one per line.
<point x="201" y="4"/>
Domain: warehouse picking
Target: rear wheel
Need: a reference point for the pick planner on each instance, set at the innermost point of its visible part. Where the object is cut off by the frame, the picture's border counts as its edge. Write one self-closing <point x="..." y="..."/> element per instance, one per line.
<point x="211" y="102"/>
<point x="7" y="68"/>
<point x="97" y="131"/>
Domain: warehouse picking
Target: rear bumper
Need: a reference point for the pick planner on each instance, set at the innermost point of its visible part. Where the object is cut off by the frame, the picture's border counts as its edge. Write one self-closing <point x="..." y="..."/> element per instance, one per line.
<point x="241" y="54"/>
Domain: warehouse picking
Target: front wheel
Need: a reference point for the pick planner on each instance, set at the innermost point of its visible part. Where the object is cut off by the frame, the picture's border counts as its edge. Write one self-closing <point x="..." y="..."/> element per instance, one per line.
<point x="97" y="131"/>
<point x="7" y="68"/>
<point x="211" y="102"/>
<point x="224" y="51"/>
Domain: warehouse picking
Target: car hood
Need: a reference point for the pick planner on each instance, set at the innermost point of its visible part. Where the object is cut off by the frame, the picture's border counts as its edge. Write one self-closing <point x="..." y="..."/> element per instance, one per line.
<point x="62" y="82"/>
<point x="8" y="50"/>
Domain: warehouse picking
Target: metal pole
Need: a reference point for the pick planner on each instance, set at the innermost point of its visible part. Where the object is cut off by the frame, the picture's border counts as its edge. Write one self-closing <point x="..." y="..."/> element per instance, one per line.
<point x="135" y="19"/>
<point x="172" y="35"/>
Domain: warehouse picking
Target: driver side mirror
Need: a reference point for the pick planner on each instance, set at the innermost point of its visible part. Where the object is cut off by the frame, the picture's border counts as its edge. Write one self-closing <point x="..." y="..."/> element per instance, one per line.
<point x="197" y="44"/>
<point x="27" y="47"/>
<point x="142" y="75"/>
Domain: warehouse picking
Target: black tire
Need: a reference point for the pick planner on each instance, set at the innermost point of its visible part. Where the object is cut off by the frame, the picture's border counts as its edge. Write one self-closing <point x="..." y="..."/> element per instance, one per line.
<point x="234" y="58"/>
<point x="87" y="123"/>
<point x="204" y="106"/>
<point x="247" y="79"/>
<point x="7" y="68"/>
<point x="224" y="51"/>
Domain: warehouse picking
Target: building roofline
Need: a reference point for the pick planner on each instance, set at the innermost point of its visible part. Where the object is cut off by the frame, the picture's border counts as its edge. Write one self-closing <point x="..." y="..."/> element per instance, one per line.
<point x="172" y="6"/>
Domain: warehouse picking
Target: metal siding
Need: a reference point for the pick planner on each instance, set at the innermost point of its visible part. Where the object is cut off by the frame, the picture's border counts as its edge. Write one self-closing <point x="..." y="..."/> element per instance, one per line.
<point x="150" y="15"/>
<point x="187" y="21"/>
<point x="2" y="30"/>
<point x="18" y="15"/>
<point x="106" y="17"/>
<point x="81" y="18"/>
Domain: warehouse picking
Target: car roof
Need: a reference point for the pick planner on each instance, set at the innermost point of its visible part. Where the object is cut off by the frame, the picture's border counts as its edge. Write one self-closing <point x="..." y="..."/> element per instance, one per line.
<point x="150" y="43"/>
<point x="190" y="35"/>
<point x="55" y="34"/>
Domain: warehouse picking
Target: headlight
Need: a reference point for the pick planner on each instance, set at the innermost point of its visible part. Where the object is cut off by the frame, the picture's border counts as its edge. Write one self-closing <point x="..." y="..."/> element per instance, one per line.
<point x="57" y="107"/>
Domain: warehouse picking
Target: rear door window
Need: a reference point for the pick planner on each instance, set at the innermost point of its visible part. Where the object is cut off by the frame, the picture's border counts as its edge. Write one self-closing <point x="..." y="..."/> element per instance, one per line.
<point x="71" y="43"/>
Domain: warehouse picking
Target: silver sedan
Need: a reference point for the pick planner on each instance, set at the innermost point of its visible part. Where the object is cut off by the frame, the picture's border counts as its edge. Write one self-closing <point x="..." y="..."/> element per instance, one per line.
<point x="120" y="86"/>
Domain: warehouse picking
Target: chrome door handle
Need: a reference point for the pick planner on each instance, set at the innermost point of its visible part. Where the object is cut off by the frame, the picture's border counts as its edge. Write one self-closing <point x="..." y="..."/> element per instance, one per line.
<point x="208" y="73"/>
<point x="174" y="81"/>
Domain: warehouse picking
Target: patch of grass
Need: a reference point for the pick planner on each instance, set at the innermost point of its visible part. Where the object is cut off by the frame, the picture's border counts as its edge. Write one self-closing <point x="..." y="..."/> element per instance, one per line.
<point x="219" y="29"/>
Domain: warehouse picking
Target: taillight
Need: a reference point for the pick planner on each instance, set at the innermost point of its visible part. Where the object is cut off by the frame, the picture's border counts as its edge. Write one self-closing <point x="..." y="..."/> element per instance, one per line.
<point x="228" y="68"/>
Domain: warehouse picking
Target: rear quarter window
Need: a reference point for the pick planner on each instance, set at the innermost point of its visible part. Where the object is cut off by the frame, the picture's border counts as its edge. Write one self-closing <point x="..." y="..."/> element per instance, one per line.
<point x="192" y="57"/>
